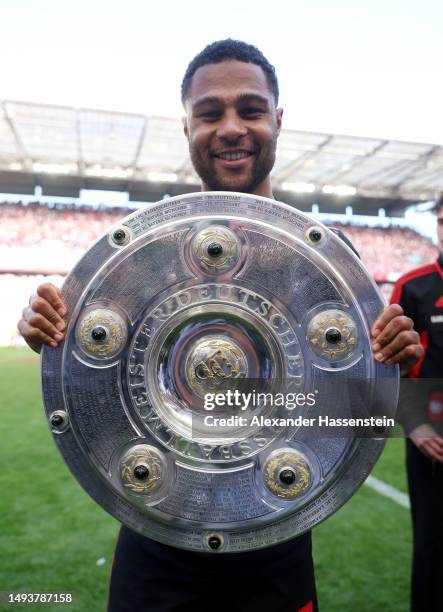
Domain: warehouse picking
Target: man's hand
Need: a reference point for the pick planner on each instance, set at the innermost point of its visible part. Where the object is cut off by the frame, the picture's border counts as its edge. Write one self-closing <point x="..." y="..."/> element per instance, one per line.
<point x="394" y="339"/>
<point x="428" y="442"/>
<point x="42" y="321"/>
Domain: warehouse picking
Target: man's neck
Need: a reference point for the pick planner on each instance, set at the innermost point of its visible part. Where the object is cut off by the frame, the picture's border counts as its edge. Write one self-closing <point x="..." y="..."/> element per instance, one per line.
<point x="263" y="190"/>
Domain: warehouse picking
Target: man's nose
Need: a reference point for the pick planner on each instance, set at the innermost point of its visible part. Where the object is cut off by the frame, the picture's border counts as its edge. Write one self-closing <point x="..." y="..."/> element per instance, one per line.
<point x="231" y="127"/>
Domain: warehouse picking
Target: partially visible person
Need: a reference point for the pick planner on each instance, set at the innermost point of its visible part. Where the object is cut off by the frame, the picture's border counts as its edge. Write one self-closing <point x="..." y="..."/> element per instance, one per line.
<point x="420" y="293"/>
<point x="232" y="124"/>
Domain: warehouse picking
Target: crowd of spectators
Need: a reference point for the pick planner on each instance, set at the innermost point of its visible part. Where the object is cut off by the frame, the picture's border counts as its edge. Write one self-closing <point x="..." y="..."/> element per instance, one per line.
<point x="389" y="252"/>
<point x="38" y="240"/>
<point x="37" y="237"/>
<point x="35" y="224"/>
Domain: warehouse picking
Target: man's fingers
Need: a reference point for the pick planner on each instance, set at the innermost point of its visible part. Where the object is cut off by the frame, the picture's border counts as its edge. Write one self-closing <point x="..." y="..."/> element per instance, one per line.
<point x="42" y="322"/>
<point x="394" y="339"/>
<point x="405" y="346"/>
<point x="393" y="328"/>
<point x="434" y="450"/>
<point x="41" y="306"/>
<point x="52" y="294"/>
<point x="394" y="310"/>
<point x="35" y="337"/>
<point x="431" y="447"/>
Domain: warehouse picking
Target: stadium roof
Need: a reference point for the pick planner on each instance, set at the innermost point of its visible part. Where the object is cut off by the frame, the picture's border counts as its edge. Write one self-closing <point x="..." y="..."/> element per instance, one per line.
<point x="65" y="149"/>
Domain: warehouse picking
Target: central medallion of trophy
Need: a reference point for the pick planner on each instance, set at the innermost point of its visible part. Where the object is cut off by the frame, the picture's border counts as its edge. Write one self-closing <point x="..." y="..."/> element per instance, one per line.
<point x="212" y="361"/>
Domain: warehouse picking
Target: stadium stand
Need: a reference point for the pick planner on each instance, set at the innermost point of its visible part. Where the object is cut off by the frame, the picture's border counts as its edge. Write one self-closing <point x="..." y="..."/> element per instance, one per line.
<point x="39" y="242"/>
<point x="36" y="238"/>
<point x="390" y="252"/>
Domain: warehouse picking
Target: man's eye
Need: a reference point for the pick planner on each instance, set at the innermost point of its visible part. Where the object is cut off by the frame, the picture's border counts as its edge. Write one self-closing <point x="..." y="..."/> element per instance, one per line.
<point x="251" y="111"/>
<point x="210" y="115"/>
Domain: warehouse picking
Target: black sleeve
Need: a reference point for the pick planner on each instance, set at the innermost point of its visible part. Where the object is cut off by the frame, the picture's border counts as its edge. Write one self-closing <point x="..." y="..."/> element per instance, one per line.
<point x="345" y="240"/>
<point x="412" y="402"/>
<point x="402" y="295"/>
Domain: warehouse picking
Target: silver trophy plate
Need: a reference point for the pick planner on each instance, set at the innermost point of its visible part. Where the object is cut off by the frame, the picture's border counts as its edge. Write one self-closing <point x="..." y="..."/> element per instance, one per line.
<point x="212" y="340"/>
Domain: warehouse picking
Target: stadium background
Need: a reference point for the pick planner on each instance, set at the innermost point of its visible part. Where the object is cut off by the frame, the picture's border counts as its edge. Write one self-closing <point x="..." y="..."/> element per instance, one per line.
<point x="55" y="539"/>
<point x="72" y="173"/>
<point x="67" y="173"/>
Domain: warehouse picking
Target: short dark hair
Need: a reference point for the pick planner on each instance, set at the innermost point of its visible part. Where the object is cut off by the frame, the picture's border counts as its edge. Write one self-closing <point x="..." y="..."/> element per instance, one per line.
<point x="225" y="50"/>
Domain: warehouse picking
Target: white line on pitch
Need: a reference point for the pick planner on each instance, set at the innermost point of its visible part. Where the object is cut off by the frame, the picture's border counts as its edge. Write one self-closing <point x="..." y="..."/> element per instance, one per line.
<point x="384" y="489"/>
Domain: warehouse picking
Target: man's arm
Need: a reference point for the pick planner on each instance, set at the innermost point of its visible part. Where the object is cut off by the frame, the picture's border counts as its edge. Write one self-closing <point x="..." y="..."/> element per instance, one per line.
<point x="413" y="411"/>
<point x="42" y="320"/>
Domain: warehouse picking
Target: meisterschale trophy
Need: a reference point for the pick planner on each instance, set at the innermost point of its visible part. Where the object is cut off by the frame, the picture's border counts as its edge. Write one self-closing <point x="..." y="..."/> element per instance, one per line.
<point x="216" y="390"/>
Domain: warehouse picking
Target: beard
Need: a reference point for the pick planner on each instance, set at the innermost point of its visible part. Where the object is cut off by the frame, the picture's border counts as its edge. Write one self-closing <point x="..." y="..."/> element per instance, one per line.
<point x="262" y="165"/>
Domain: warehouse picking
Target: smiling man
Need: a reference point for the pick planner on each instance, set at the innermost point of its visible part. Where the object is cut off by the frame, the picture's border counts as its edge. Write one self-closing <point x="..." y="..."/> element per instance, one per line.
<point x="232" y="123"/>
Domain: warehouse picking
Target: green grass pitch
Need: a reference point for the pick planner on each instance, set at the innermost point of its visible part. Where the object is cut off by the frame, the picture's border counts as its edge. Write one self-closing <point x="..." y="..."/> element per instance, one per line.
<point x="52" y="534"/>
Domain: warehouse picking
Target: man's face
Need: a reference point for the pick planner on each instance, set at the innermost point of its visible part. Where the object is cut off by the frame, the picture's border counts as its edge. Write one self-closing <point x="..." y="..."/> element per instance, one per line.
<point x="440" y="229"/>
<point x="232" y="127"/>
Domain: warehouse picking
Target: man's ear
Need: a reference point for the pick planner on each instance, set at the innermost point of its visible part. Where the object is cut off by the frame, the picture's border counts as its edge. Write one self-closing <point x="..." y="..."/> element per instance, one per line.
<point x="185" y="127"/>
<point x="279" y="115"/>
